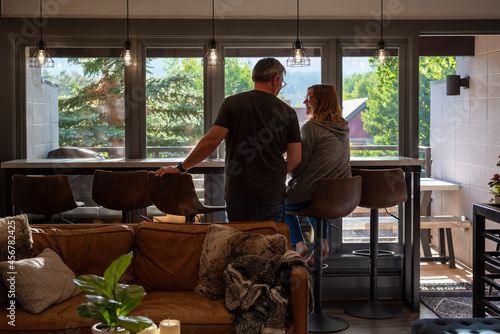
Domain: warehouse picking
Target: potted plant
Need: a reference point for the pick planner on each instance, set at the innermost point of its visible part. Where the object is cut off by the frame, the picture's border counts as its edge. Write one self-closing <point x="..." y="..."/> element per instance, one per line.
<point x="495" y="184"/>
<point x="110" y="302"/>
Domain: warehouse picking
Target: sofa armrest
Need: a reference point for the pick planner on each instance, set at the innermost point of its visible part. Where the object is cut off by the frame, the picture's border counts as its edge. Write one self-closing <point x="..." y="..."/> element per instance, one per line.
<point x="299" y="297"/>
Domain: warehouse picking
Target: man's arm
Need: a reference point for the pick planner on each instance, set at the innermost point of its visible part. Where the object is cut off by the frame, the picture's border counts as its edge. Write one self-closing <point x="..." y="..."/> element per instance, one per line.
<point x="293" y="155"/>
<point x="200" y="152"/>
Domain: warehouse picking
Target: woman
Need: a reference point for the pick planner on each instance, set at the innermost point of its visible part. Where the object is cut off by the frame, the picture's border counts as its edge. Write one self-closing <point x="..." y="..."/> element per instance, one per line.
<point x="325" y="153"/>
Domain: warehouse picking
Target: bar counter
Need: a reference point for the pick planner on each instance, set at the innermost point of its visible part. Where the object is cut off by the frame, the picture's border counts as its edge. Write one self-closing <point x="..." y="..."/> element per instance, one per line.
<point x="410" y="209"/>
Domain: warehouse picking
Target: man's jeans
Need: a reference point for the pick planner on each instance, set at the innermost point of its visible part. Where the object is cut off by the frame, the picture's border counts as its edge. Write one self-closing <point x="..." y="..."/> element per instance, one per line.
<point x="240" y="212"/>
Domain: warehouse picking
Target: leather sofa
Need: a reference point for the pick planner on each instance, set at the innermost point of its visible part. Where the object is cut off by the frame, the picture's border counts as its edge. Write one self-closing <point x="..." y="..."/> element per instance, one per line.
<point x="166" y="264"/>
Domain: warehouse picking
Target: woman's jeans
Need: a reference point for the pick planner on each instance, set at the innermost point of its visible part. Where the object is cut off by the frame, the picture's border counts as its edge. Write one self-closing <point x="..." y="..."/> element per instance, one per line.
<point x="241" y="212"/>
<point x="294" y="226"/>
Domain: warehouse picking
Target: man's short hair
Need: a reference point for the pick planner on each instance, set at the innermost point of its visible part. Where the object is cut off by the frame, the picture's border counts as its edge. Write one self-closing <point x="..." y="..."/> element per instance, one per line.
<point x="266" y="69"/>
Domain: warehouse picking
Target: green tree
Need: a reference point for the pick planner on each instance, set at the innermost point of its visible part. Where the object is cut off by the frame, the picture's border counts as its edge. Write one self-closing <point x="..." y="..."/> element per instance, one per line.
<point x="381" y="87"/>
<point x="358" y="85"/>
<point x="238" y="77"/>
<point x="93" y="114"/>
<point x="175" y="104"/>
<point x="431" y="69"/>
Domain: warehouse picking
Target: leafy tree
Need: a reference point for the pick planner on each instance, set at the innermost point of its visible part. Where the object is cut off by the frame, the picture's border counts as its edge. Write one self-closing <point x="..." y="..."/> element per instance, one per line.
<point x="431" y="69"/>
<point x="358" y="85"/>
<point x="381" y="87"/>
<point x="93" y="115"/>
<point x="238" y="77"/>
<point x="175" y="104"/>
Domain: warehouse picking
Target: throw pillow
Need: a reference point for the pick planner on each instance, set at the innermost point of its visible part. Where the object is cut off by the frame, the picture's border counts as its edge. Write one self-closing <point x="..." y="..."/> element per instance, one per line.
<point x="17" y="230"/>
<point x="222" y="245"/>
<point x="41" y="281"/>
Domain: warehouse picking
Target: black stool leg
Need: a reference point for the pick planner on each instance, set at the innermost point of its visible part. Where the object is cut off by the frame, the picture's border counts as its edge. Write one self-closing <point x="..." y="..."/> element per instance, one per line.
<point x="373" y="309"/>
<point x="318" y="322"/>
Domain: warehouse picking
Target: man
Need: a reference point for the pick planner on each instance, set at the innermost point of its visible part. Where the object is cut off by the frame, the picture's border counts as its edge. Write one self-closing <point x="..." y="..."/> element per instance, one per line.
<point x="259" y="128"/>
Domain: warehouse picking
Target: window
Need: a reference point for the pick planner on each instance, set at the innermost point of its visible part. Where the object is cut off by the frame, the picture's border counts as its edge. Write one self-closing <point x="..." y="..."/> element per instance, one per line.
<point x="370" y="103"/>
<point x="174" y="106"/>
<point x="240" y="63"/>
<point x="79" y="102"/>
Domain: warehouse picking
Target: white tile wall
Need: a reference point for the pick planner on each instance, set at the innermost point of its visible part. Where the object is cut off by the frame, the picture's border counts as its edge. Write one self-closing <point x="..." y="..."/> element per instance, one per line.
<point x="469" y="156"/>
<point x="42" y="117"/>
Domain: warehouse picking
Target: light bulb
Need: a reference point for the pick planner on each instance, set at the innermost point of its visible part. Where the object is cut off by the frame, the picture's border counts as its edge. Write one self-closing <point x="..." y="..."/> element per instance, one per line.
<point x="381" y="56"/>
<point x="40" y="57"/>
<point x="213" y="57"/>
<point x="127" y="57"/>
<point x="297" y="57"/>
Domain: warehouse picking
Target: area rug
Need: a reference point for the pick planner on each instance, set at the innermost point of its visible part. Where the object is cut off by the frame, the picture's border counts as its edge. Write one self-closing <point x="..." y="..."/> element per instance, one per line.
<point x="449" y="307"/>
<point x="457" y="286"/>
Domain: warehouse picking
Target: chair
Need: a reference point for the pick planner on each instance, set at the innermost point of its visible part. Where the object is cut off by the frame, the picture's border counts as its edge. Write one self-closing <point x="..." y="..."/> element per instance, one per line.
<point x="175" y="194"/>
<point x="333" y="199"/>
<point x="125" y="191"/>
<point x="43" y="195"/>
<point x="381" y="189"/>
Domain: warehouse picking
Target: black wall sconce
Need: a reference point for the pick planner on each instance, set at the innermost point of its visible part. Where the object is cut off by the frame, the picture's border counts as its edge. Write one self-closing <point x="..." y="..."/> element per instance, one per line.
<point x="454" y="82"/>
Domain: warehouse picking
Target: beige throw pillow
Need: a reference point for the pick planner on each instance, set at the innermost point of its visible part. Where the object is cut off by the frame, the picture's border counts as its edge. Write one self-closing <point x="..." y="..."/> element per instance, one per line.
<point x="41" y="281"/>
<point x="15" y="232"/>
<point x="222" y="245"/>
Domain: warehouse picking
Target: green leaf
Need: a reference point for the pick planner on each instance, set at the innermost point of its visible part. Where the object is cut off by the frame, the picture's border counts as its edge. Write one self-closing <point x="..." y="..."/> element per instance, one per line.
<point x="134" y="324"/>
<point x="93" y="284"/>
<point x="116" y="269"/>
<point x="130" y="297"/>
<point x="92" y="311"/>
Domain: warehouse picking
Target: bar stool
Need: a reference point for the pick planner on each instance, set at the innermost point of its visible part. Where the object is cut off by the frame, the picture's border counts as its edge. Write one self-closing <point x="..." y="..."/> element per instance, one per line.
<point x="333" y="199"/>
<point x="381" y="189"/>
<point x="43" y="195"/>
<point x="125" y="191"/>
<point x="175" y="194"/>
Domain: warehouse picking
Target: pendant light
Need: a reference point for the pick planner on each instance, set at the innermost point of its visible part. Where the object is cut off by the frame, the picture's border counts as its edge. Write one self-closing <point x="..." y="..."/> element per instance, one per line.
<point x="213" y="56"/>
<point x="128" y="56"/>
<point x="41" y="56"/>
<point x="298" y="57"/>
<point x="381" y="54"/>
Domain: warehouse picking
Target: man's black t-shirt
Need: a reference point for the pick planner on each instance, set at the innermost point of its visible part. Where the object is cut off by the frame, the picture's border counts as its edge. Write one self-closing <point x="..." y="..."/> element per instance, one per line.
<point x="260" y="127"/>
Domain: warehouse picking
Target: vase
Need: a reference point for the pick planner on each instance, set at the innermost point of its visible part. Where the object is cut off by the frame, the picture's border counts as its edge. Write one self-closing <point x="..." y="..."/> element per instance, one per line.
<point x="97" y="330"/>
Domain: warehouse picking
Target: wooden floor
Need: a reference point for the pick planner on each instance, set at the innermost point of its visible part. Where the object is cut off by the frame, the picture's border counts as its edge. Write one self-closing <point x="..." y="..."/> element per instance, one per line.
<point x="437" y="272"/>
<point x="430" y="272"/>
<point x="401" y="325"/>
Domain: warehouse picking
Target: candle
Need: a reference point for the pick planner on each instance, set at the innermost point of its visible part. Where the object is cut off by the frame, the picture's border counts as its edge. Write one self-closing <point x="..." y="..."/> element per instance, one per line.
<point x="170" y="326"/>
<point x="150" y="330"/>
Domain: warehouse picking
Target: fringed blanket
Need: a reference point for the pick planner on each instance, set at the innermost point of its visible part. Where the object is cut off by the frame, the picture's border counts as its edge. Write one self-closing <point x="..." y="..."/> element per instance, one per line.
<point x="257" y="292"/>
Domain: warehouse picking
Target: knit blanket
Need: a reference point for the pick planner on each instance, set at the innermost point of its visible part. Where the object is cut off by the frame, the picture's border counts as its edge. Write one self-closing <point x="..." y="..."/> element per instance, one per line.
<point x="257" y="291"/>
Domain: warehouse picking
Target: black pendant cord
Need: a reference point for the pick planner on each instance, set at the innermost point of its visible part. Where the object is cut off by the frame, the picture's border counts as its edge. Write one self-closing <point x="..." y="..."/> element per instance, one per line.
<point x="297" y="19"/>
<point x="213" y="19"/>
<point x="127" y="24"/>
<point x="381" y="20"/>
<point x="41" y="22"/>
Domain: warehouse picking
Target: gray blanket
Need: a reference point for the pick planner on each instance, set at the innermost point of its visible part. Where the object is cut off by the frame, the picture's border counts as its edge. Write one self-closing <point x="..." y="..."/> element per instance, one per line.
<point x="257" y="292"/>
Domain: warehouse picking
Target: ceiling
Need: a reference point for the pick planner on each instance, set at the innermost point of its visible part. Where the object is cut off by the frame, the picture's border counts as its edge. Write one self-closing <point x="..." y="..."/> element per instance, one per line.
<point x="256" y="9"/>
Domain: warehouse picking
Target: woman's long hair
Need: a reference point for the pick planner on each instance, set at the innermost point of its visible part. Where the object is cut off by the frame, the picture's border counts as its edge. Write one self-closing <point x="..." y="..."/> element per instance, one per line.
<point x="328" y="109"/>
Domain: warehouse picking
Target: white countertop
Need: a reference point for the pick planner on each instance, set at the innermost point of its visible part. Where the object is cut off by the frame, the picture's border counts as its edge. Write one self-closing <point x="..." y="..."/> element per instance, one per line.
<point x="152" y="163"/>
<point x="428" y="184"/>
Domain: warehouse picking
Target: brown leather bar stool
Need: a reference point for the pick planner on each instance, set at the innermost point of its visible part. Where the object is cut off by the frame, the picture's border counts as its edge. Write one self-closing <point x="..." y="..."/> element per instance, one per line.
<point x="175" y="194"/>
<point x="125" y="191"/>
<point x="333" y="199"/>
<point x="381" y="189"/>
<point x="43" y="195"/>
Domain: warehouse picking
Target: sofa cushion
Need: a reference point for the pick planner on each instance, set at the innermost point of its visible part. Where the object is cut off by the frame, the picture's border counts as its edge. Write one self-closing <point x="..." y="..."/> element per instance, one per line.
<point x="41" y="281"/>
<point x="168" y="255"/>
<point x="222" y="246"/>
<point x="86" y="248"/>
<point x="14" y="232"/>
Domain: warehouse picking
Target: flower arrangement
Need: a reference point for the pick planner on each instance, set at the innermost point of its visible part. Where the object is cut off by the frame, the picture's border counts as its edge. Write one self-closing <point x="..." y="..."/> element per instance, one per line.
<point x="495" y="184"/>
